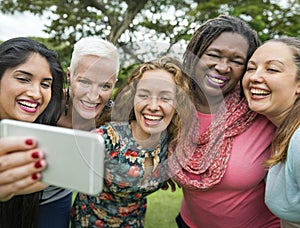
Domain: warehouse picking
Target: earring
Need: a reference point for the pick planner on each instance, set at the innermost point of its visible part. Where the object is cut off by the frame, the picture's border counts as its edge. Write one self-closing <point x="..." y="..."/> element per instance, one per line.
<point x="67" y="102"/>
<point x="109" y="104"/>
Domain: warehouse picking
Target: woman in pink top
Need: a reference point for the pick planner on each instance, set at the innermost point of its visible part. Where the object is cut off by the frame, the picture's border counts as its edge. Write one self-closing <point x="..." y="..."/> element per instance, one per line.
<point x="223" y="184"/>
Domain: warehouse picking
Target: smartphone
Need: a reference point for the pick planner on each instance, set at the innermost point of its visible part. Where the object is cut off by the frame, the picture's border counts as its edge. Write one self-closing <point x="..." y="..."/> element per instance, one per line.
<point x="75" y="158"/>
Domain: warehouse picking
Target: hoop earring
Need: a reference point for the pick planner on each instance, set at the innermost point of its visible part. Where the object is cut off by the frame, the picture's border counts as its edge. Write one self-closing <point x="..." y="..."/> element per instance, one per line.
<point x="67" y="102"/>
<point x="109" y="104"/>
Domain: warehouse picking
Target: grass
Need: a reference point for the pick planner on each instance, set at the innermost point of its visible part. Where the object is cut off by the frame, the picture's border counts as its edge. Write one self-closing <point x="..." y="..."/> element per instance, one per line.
<point x="162" y="208"/>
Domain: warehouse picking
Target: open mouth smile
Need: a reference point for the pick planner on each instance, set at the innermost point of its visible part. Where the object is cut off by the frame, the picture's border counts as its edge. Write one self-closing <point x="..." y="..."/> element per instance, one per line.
<point x="217" y="81"/>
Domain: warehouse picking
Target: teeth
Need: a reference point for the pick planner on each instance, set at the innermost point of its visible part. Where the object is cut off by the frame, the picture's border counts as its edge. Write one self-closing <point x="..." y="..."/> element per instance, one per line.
<point x="217" y="80"/>
<point x="259" y="92"/>
<point x="152" y="117"/>
<point x="28" y="104"/>
<point x="90" y="105"/>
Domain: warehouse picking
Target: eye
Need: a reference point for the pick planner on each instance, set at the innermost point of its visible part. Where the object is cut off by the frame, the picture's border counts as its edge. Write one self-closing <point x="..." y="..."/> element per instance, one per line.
<point x="84" y="82"/>
<point x="273" y="70"/>
<point x="213" y="55"/>
<point x="105" y="87"/>
<point x="46" y="85"/>
<point x="143" y="96"/>
<point x="240" y="63"/>
<point x="22" y="79"/>
<point x="166" y="98"/>
<point x="250" y="68"/>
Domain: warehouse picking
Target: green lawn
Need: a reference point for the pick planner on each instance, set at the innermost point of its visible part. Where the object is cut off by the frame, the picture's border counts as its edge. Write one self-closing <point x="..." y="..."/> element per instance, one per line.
<point x="163" y="207"/>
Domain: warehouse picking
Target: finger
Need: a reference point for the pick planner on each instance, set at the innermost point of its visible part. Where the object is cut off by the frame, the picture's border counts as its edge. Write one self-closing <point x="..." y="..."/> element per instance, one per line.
<point x="9" y="190"/>
<point x="165" y="186"/>
<point x="16" y="159"/>
<point x="173" y="186"/>
<point x="16" y="143"/>
<point x="5" y="196"/>
<point x="15" y="174"/>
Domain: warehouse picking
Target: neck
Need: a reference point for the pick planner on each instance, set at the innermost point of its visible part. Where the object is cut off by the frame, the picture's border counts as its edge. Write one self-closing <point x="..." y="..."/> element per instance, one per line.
<point x="278" y="118"/>
<point x="143" y="139"/>
<point x="75" y="121"/>
<point x="207" y="104"/>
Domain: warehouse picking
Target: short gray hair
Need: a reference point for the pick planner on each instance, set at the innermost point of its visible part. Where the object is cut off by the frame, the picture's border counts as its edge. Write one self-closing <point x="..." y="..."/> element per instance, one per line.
<point x="94" y="46"/>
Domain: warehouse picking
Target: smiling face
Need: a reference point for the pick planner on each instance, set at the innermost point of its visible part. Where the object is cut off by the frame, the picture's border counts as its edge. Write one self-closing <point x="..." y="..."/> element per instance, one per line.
<point x="25" y="90"/>
<point x="154" y="103"/>
<point x="92" y="85"/>
<point x="270" y="82"/>
<point x="221" y="66"/>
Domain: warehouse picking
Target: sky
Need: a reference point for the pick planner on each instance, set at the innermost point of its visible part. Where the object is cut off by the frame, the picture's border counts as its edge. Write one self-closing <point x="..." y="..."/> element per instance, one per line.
<point x="21" y="24"/>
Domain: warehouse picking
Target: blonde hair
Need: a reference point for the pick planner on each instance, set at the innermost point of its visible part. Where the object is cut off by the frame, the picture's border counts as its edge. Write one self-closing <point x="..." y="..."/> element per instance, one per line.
<point x="181" y="120"/>
<point x="291" y="122"/>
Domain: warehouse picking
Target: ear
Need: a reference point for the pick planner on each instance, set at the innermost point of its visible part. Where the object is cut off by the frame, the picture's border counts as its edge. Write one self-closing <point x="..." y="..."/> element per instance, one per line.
<point x="68" y="76"/>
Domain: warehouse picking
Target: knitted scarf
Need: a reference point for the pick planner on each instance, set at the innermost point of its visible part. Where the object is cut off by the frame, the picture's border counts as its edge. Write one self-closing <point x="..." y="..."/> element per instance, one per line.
<point x="211" y="150"/>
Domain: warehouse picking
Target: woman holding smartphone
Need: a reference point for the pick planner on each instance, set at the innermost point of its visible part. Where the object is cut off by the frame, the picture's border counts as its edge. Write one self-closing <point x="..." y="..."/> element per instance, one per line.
<point x="31" y="90"/>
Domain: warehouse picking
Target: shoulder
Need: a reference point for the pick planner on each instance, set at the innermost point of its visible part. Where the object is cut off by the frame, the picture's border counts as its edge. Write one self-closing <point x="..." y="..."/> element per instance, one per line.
<point x="294" y="145"/>
<point x="296" y="136"/>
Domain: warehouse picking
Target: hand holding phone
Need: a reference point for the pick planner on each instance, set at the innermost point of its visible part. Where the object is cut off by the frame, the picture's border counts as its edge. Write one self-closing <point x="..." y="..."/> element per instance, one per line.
<point x="75" y="158"/>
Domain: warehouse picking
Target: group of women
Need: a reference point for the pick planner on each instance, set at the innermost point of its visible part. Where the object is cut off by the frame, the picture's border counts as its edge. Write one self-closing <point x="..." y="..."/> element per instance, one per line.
<point x="224" y="125"/>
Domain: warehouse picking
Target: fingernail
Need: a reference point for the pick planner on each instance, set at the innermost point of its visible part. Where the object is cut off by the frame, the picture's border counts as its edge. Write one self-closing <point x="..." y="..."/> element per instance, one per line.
<point x="35" y="154"/>
<point x="29" y="142"/>
<point x="35" y="176"/>
<point x="38" y="164"/>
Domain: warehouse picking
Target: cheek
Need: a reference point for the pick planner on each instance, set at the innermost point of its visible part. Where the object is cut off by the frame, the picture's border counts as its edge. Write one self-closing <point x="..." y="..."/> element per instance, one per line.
<point x="169" y="109"/>
<point x="199" y="73"/>
<point x="47" y="97"/>
<point x="106" y="95"/>
<point x="238" y="73"/>
<point x="245" y="82"/>
<point x="77" y="92"/>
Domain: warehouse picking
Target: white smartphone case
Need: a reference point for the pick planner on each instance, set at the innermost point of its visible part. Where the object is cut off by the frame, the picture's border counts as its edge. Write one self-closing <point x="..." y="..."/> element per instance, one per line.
<point x="75" y="158"/>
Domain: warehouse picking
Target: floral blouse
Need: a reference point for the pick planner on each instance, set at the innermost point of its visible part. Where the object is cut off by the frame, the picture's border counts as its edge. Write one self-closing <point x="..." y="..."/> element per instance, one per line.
<point x="122" y="203"/>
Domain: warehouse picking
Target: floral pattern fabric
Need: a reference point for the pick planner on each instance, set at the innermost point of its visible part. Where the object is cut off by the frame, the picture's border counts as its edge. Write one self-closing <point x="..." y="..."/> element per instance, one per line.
<point x="122" y="203"/>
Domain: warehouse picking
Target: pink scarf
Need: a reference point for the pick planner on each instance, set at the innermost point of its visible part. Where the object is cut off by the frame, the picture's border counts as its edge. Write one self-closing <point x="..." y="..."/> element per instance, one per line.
<point x="210" y="152"/>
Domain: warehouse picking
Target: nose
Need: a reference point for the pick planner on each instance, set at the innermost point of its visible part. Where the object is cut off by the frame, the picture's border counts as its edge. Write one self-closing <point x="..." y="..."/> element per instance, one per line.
<point x="153" y="104"/>
<point x="35" y="91"/>
<point x="94" y="93"/>
<point x="255" y="76"/>
<point x="222" y="66"/>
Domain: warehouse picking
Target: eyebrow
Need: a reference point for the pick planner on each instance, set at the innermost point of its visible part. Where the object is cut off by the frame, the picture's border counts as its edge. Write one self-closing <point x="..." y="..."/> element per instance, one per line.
<point x="276" y="61"/>
<point x="31" y="75"/>
<point x="148" y="91"/>
<point x="79" y="77"/>
<point x="268" y="62"/>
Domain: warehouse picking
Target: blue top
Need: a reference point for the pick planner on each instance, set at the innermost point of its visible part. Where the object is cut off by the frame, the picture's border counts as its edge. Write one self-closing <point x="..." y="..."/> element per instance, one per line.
<point x="283" y="184"/>
<point x="122" y="202"/>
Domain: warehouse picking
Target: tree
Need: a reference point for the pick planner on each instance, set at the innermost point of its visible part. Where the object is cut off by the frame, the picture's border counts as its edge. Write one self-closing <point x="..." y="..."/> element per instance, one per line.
<point x="135" y="25"/>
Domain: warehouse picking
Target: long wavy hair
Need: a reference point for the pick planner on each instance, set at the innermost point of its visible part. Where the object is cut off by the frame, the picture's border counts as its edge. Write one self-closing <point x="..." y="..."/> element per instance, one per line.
<point x="291" y="122"/>
<point x="181" y="120"/>
<point x="22" y="210"/>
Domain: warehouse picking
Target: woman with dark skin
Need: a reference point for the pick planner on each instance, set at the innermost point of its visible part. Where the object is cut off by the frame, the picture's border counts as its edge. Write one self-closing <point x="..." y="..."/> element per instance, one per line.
<point x="223" y="183"/>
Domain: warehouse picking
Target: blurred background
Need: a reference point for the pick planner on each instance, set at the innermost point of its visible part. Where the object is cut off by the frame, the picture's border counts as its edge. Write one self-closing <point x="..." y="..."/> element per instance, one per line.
<point x="142" y="30"/>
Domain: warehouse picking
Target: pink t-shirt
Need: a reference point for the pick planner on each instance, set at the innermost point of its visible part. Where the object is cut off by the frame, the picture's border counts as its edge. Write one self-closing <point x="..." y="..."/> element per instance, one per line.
<point x="238" y="200"/>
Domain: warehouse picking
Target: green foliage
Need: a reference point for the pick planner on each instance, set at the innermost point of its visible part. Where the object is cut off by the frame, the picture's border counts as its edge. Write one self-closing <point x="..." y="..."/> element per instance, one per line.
<point x="162" y="208"/>
<point x="126" y="22"/>
<point x="124" y="73"/>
